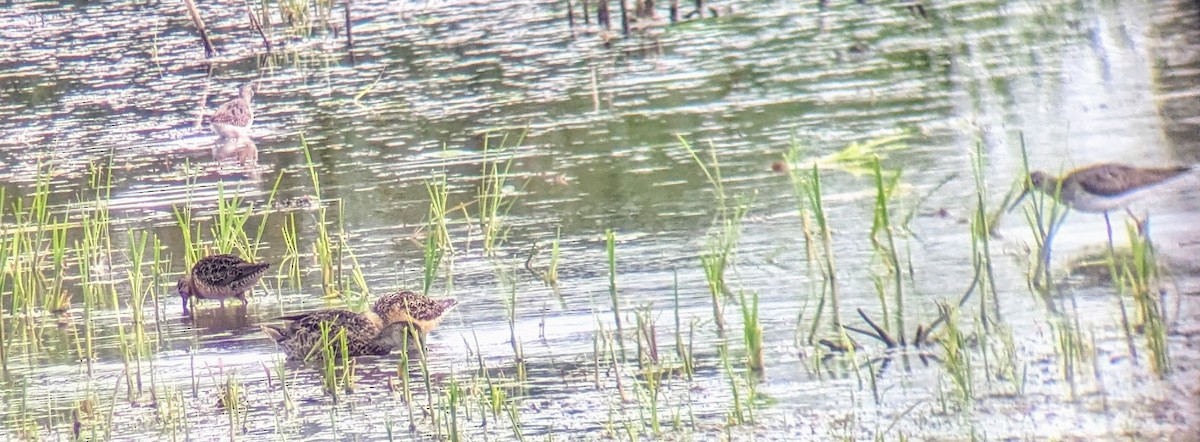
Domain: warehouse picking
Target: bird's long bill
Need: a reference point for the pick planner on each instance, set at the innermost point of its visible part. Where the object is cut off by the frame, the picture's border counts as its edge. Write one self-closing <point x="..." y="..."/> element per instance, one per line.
<point x="1020" y="199"/>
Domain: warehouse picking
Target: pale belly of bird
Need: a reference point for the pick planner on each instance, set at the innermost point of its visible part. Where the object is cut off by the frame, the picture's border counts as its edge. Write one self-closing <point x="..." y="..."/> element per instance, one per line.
<point x="205" y="291"/>
<point x="226" y="130"/>
<point x="1088" y="202"/>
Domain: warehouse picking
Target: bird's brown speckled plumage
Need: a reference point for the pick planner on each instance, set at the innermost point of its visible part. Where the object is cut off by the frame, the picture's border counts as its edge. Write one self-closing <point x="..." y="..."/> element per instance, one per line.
<point x="234" y="118"/>
<point x="1102" y="187"/>
<point x="219" y="277"/>
<point x="421" y="311"/>
<point x="302" y="338"/>
<point x="375" y="332"/>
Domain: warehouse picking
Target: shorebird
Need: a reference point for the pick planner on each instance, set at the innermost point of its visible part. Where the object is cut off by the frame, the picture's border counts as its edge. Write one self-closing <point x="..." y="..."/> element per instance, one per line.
<point x="420" y="312"/>
<point x="375" y="332"/>
<point x="233" y="119"/>
<point x="219" y="277"/>
<point x="1102" y="188"/>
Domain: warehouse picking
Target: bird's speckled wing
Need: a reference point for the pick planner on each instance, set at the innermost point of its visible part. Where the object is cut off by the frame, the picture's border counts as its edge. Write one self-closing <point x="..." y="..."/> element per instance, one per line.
<point x="236" y="112"/>
<point x="1116" y="179"/>
<point x="304" y="333"/>
<point x="420" y="307"/>
<point x="225" y="270"/>
<point x="336" y="318"/>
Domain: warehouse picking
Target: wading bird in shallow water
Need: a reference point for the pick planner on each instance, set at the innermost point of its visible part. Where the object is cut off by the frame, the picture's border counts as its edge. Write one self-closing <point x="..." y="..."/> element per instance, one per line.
<point x="1101" y="188"/>
<point x="233" y="119"/>
<point x="219" y="277"/>
<point x="377" y="331"/>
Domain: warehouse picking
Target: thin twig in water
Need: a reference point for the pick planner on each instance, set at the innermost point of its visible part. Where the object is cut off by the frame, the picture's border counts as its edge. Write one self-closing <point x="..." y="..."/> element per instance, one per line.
<point x="257" y="26"/>
<point x="209" y="51"/>
<point x="349" y="29"/>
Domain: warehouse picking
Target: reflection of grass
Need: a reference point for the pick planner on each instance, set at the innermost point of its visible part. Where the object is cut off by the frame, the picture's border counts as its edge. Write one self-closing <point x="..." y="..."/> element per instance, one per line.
<point x="956" y="360"/>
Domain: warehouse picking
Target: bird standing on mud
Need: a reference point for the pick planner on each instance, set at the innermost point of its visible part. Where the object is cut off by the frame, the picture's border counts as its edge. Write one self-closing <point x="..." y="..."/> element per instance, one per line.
<point x="219" y="277"/>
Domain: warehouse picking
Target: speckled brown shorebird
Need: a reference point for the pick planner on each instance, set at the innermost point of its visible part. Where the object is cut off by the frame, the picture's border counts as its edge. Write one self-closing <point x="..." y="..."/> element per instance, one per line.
<point x="1101" y="188"/>
<point x="219" y="277"/>
<point x="420" y="312"/>
<point x="375" y="332"/>
<point x="233" y="119"/>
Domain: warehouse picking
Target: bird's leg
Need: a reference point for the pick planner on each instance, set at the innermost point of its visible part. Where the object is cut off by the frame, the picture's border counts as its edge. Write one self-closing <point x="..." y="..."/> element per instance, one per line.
<point x="1139" y="222"/>
<point x="1108" y="228"/>
<point x="241" y="297"/>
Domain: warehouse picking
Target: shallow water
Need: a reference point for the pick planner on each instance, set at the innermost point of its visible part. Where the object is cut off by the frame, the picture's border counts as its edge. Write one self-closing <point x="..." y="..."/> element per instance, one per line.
<point x="429" y="85"/>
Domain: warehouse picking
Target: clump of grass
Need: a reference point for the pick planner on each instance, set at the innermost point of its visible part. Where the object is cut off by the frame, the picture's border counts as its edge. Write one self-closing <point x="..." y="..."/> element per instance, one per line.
<point x="332" y="348"/>
<point x="552" y="269"/>
<point x="439" y="231"/>
<point x="883" y="241"/>
<point x="1138" y="276"/>
<point x="231" y="397"/>
<point x="684" y="352"/>
<point x="437" y="242"/>
<point x="1072" y="351"/>
<point x="811" y="186"/>
<point x="549" y="276"/>
<point x="610" y="245"/>
<point x="511" y="312"/>
<point x="289" y="264"/>
<point x="722" y="245"/>
<point x="228" y="232"/>
<point x="324" y="244"/>
<point x="981" y="245"/>
<point x="741" y="406"/>
<point x="956" y="360"/>
<point x="801" y="192"/>
<point x="493" y="203"/>
<point x="752" y="331"/>
<point x="647" y="338"/>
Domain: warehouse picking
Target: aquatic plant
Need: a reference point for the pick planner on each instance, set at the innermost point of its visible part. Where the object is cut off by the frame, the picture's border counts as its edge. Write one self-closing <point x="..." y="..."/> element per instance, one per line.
<point x="491" y="196"/>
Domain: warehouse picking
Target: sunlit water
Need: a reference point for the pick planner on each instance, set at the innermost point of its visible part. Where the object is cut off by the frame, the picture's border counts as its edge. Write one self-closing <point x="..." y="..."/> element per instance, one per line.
<point x="428" y="85"/>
